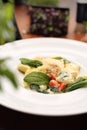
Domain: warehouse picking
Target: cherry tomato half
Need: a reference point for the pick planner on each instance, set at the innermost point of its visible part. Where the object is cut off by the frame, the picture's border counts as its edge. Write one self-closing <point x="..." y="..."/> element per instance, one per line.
<point x="53" y="83"/>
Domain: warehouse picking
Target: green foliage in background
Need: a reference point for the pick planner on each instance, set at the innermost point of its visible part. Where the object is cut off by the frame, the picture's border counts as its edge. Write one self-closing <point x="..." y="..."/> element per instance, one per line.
<point x="7" y="29"/>
<point x="7" y="34"/>
<point x="6" y="72"/>
<point x="43" y="2"/>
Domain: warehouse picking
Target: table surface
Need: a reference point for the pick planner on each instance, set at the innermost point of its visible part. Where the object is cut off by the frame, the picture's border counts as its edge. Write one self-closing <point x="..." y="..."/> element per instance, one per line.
<point x="14" y="120"/>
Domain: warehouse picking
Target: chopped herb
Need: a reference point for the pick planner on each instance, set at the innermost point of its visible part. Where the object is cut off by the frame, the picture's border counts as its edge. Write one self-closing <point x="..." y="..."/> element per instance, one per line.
<point x="63" y="75"/>
<point x="54" y="89"/>
<point x="37" y="88"/>
<point x="34" y="87"/>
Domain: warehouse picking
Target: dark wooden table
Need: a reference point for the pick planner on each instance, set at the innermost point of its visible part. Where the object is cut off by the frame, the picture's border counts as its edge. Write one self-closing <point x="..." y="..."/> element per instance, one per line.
<point x="14" y="120"/>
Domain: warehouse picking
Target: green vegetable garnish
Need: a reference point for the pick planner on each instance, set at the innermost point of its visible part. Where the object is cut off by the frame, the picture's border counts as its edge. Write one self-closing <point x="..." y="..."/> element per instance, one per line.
<point x="37" y="88"/>
<point x="80" y="83"/>
<point x="32" y="63"/>
<point x="34" y="87"/>
<point x="64" y="59"/>
<point x="54" y="89"/>
<point x="63" y="75"/>
<point x="37" y="78"/>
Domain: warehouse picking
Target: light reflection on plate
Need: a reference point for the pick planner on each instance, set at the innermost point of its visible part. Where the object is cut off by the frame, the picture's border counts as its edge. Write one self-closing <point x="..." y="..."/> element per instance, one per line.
<point x="27" y="101"/>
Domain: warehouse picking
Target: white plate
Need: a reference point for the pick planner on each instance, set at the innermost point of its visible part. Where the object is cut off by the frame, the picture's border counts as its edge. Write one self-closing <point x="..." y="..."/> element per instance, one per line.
<point x="27" y="101"/>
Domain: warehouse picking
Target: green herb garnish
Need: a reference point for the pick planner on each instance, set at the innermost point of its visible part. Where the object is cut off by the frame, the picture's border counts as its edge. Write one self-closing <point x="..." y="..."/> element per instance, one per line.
<point x="37" y="78"/>
<point x="63" y="75"/>
<point x="34" y="87"/>
<point x="54" y="89"/>
<point x="32" y="63"/>
<point x="80" y="83"/>
<point x="64" y="59"/>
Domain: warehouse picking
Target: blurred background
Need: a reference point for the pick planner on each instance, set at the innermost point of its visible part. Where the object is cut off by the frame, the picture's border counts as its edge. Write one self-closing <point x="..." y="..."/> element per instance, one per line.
<point x="9" y="30"/>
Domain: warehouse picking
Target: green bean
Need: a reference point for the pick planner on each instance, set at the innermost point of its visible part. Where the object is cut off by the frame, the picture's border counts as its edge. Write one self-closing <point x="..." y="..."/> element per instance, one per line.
<point x="77" y="85"/>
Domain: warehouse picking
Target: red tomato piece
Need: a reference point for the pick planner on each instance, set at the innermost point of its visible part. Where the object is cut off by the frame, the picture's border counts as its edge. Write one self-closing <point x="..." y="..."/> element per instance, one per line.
<point x="51" y="75"/>
<point x="53" y="83"/>
<point x="62" y="86"/>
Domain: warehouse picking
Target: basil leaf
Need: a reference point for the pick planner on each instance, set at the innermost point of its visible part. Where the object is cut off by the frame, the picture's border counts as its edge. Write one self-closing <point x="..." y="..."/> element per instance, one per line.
<point x="37" y="78"/>
<point x="32" y="63"/>
<point x="64" y="59"/>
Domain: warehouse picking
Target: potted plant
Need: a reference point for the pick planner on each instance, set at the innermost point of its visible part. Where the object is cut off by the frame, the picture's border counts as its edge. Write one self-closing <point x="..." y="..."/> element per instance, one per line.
<point x="47" y="18"/>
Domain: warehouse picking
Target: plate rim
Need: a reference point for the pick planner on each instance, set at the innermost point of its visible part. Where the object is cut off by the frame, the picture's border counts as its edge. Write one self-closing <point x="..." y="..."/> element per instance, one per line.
<point x="24" y="40"/>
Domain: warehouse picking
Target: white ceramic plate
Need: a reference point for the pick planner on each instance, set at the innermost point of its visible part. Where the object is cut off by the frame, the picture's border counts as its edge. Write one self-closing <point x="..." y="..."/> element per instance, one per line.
<point x="27" y="101"/>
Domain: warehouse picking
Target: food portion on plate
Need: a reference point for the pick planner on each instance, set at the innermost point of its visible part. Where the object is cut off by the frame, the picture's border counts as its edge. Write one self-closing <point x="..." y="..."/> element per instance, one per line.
<point x="51" y="75"/>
